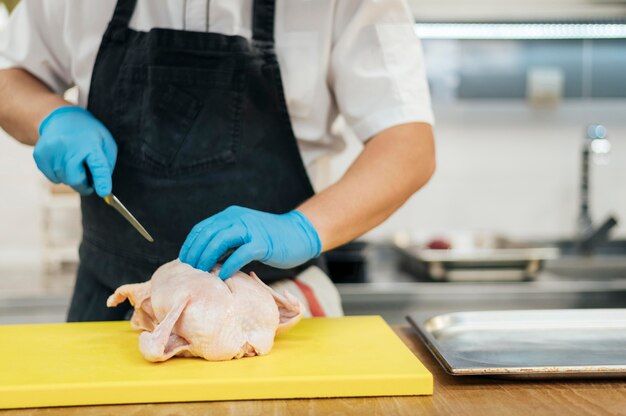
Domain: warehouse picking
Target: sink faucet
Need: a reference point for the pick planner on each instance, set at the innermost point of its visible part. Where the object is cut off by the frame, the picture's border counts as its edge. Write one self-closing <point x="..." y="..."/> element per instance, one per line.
<point x="596" y="146"/>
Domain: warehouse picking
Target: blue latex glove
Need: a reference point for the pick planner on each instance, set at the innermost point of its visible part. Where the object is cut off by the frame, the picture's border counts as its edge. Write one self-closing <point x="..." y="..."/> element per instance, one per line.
<point x="70" y="138"/>
<point x="281" y="241"/>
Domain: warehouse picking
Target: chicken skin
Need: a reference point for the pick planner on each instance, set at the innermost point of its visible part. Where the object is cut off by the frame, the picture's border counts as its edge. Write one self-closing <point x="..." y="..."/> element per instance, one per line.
<point x="187" y="312"/>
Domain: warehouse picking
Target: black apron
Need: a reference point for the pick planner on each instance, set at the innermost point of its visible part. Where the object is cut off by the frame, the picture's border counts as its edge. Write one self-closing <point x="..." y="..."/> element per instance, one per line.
<point x="201" y="123"/>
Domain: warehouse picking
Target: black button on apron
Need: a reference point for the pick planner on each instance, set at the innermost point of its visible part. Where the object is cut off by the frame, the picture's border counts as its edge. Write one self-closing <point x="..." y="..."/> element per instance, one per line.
<point x="201" y="123"/>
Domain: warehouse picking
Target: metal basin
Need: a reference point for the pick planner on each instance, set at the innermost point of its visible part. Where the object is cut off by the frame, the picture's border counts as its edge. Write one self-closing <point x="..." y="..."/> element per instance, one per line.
<point x="569" y="248"/>
<point x="606" y="261"/>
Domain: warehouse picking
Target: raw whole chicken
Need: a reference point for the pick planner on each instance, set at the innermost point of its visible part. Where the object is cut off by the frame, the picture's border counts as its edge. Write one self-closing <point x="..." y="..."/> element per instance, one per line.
<point x="187" y="312"/>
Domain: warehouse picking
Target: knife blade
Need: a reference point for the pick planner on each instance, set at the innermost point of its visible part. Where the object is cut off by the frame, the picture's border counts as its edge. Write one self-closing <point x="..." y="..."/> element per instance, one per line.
<point x="119" y="207"/>
<point x="112" y="201"/>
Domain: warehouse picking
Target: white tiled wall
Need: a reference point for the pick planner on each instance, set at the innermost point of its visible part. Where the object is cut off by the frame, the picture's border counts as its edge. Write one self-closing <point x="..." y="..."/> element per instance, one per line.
<point x="20" y="221"/>
<point x="506" y="167"/>
<point x="20" y="197"/>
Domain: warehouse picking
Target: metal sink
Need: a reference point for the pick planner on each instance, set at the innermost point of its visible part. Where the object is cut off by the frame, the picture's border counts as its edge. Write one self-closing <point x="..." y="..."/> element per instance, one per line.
<point x="605" y="261"/>
<point x="569" y="248"/>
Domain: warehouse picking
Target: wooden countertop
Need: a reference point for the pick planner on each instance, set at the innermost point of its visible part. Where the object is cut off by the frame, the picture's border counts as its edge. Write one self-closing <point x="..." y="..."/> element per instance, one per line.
<point x="453" y="395"/>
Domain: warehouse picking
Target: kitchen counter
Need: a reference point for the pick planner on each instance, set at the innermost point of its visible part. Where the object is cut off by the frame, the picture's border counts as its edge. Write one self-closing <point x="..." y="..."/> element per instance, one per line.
<point x="453" y="395"/>
<point x="395" y="299"/>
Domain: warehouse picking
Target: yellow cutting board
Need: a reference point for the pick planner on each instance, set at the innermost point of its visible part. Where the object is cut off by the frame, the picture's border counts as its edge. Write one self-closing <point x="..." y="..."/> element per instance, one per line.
<point x="99" y="363"/>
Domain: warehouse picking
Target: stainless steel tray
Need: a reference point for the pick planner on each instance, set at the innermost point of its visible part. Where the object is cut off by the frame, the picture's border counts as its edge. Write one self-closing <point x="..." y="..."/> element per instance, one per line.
<point x="528" y="343"/>
<point x="484" y="264"/>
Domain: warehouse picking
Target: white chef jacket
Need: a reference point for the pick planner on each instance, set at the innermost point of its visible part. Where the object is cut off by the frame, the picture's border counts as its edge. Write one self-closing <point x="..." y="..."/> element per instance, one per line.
<point x="356" y="58"/>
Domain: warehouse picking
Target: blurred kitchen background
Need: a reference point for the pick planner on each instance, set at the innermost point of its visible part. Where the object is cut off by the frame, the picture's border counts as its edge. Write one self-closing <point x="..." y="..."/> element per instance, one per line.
<point x="524" y="92"/>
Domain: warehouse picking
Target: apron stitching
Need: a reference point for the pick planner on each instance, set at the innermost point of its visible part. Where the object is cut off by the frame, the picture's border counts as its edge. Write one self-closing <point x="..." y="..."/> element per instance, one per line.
<point x="206" y="23"/>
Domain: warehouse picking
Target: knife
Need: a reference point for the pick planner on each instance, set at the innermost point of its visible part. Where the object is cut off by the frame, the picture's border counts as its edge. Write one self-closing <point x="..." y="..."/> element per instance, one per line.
<point x="119" y="207"/>
<point x="114" y="202"/>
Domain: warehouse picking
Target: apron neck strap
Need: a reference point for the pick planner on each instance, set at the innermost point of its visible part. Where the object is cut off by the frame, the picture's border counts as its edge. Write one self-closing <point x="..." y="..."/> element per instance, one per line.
<point x="263" y="20"/>
<point x="123" y="12"/>
<point x="262" y="17"/>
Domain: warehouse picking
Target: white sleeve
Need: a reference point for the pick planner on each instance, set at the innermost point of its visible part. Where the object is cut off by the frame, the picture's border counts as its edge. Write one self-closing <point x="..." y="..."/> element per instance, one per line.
<point x="33" y="40"/>
<point x="377" y="69"/>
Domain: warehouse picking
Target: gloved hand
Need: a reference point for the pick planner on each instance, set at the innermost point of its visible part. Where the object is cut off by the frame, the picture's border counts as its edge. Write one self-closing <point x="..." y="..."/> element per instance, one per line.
<point x="69" y="138"/>
<point x="282" y="241"/>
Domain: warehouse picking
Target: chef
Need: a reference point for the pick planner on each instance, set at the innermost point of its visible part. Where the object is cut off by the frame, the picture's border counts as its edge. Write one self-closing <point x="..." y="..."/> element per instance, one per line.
<point x="206" y="119"/>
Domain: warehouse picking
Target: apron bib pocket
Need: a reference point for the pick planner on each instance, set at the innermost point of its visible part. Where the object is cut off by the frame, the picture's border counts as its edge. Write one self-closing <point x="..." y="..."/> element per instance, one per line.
<point x="168" y="115"/>
<point x="190" y="118"/>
